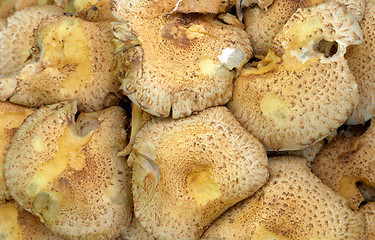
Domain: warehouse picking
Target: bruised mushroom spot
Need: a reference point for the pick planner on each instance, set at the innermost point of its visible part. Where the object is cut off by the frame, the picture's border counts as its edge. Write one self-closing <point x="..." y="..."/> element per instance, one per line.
<point x="38" y="144"/>
<point x="9" y="225"/>
<point x="263" y="233"/>
<point x="47" y="205"/>
<point x="274" y="107"/>
<point x="116" y="196"/>
<point x="201" y="186"/>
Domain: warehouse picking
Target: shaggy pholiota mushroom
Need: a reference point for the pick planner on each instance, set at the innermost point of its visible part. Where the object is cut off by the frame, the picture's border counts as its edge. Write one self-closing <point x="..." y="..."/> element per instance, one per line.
<point x="294" y="204"/>
<point x="187" y="172"/>
<point x="347" y="165"/>
<point x="135" y="231"/>
<point x="68" y="173"/>
<point x="178" y="63"/>
<point x="72" y="59"/>
<point x="11" y="117"/>
<point x="300" y="93"/>
<point x="368" y="210"/>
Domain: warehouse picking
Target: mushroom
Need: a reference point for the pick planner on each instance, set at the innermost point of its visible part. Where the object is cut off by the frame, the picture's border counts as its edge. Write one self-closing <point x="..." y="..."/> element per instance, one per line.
<point x="11" y="117"/>
<point x="361" y="60"/>
<point x="17" y="38"/>
<point x="262" y="25"/>
<point x="8" y="7"/>
<point x="368" y="210"/>
<point x="346" y="164"/>
<point x="71" y="177"/>
<point x="194" y="6"/>
<point x="73" y="59"/>
<point x="135" y="231"/>
<point x="90" y="10"/>
<point x="187" y="172"/>
<point x="181" y="64"/>
<point x="18" y="224"/>
<point x="294" y="204"/>
<point x="299" y="94"/>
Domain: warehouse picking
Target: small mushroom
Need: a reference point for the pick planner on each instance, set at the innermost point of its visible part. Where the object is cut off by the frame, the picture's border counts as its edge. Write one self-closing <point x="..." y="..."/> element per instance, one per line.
<point x="300" y="94"/>
<point x="346" y="164"/>
<point x="368" y="210"/>
<point x="11" y="117"/>
<point x="187" y="172"/>
<point x="71" y="176"/>
<point x="181" y="64"/>
<point x="293" y="204"/>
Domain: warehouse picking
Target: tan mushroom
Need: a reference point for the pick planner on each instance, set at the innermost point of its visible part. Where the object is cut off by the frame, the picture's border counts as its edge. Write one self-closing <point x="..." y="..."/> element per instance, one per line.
<point x="187" y="172"/>
<point x="298" y="94"/>
<point x="361" y="60"/>
<point x="68" y="173"/>
<point x="73" y="59"/>
<point x="368" y="210"/>
<point x="8" y="7"/>
<point x="90" y="10"/>
<point x="135" y="231"/>
<point x="17" y="38"/>
<point x="204" y="6"/>
<point x="346" y="163"/>
<point x="181" y="64"/>
<point x="293" y="204"/>
<point x="11" y="117"/>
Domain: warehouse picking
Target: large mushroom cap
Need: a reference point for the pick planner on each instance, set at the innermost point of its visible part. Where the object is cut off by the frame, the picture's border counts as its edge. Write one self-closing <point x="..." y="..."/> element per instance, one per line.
<point x="17" y="37"/>
<point x="187" y="172"/>
<point x="294" y="204"/>
<point x="299" y="94"/>
<point x="11" y="117"/>
<point x="71" y="177"/>
<point x="346" y="163"/>
<point x="182" y="63"/>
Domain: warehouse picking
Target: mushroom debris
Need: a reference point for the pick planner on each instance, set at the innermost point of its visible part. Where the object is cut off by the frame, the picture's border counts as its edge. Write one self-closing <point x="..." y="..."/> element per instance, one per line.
<point x="185" y="167"/>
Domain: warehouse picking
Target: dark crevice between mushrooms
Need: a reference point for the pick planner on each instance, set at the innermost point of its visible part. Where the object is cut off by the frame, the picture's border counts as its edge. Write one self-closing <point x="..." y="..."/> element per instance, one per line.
<point x="367" y="191"/>
<point x="328" y="48"/>
<point x="353" y="130"/>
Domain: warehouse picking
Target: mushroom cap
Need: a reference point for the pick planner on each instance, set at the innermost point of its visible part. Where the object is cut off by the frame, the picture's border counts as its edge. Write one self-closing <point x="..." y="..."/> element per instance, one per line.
<point x="187" y="172"/>
<point x="11" y="117"/>
<point x="361" y="60"/>
<point x="74" y="60"/>
<point x="205" y="6"/>
<point x="298" y="95"/>
<point x="8" y="7"/>
<point x="16" y="223"/>
<point x="71" y="177"/>
<point x="368" y="210"/>
<point x="135" y="231"/>
<point x="294" y="204"/>
<point x="183" y="63"/>
<point x="345" y="162"/>
<point x="17" y="37"/>
<point x="90" y="10"/>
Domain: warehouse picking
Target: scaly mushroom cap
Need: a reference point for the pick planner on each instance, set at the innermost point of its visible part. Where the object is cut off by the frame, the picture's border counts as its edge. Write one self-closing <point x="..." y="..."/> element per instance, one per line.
<point x="369" y="211"/>
<point x="17" y="38"/>
<point x="73" y="60"/>
<point x="294" y="204"/>
<point x="299" y="94"/>
<point x="11" y="117"/>
<point x="204" y="6"/>
<point x="18" y="224"/>
<point x="346" y="162"/>
<point x="8" y="7"/>
<point x="71" y="177"/>
<point x="182" y="63"/>
<point x="187" y="172"/>
<point x="135" y="231"/>
<point x="262" y="25"/>
<point x="361" y="60"/>
<point x="90" y="10"/>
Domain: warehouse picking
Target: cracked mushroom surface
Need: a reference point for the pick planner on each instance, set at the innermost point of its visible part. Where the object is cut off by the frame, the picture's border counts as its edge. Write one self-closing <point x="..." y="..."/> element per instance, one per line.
<point x="73" y="59"/>
<point x="180" y="63"/>
<point x="71" y="177"/>
<point x="11" y="117"/>
<point x="347" y="165"/>
<point x="294" y="204"/>
<point x="187" y="172"/>
<point x="300" y="93"/>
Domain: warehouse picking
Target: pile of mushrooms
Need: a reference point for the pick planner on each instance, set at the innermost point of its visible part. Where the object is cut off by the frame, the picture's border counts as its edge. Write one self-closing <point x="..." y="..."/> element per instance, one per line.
<point x="184" y="119"/>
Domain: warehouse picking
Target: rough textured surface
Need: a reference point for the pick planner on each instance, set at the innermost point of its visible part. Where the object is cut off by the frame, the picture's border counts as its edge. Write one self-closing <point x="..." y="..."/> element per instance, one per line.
<point x="298" y="95"/>
<point x="361" y="60"/>
<point x="204" y="6"/>
<point x="295" y="204"/>
<point x="345" y="162"/>
<point x="369" y="211"/>
<point x="17" y="38"/>
<point x="90" y="10"/>
<point x="135" y="231"/>
<point x="74" y="167"/>
<point x="11" y="117"/>
<point x="8" y="7"/>
<point x="187" y="172"/>
<point x="182" y="63"/>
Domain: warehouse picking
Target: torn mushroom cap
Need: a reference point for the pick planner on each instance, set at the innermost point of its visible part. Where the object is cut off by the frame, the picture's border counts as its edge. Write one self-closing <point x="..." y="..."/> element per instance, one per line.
<point x="187" y="172"/>
<point x="368" y="210"/>
<point x="361" y="60"/>
<point x="72" y="178"/>
<point x="73" y="60"/>
<point x="135" y="231"/>
<point x="294" y="204"/>
<point x="17" y="38"/>
<point x="346" y="163"/>
<point x="184" y="63"/>
<point x="11" y="117"/>
<point x="18" y="224"/>
<point x="262" y="25"/>
<point x="299" y="94"/>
